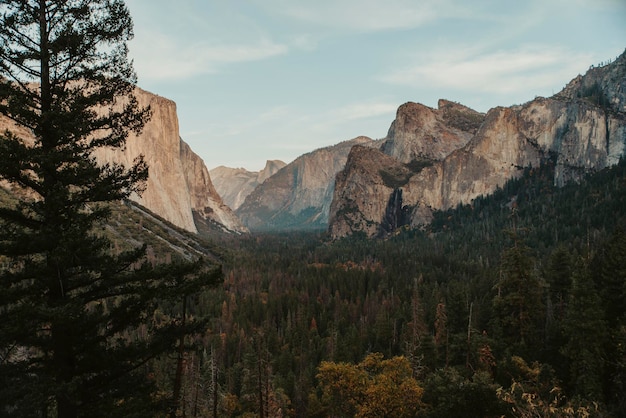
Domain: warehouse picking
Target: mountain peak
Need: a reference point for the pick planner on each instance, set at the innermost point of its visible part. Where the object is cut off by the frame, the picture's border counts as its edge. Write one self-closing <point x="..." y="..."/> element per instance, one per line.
<point x="235" y="184"/>
<point x="299" y="195"/>
<point x="422" y="133"/>
<point x="603" y="85"/>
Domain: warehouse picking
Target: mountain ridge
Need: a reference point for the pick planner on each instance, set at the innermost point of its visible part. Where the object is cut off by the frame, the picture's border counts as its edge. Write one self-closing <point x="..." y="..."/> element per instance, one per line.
<point x="582" y="129"/>
<point x="235" y="184"/>
<point x="298" y="196"/>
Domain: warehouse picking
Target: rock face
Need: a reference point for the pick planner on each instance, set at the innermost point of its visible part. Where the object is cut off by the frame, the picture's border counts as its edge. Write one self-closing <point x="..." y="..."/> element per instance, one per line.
<point x="299" y="195"/>
<point x="178" y="183"/>
<point x="581" y="129"/>
<point x="206" y="203"/>
<point x="420" y="133"/>
<point x="235" y="184"/>
<point x="368" y="175"/>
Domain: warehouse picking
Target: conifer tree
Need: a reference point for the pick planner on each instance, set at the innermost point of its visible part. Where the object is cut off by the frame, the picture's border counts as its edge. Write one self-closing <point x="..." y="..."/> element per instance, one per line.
<point x="586" y="334"/>
<point x="518" y="303"/>
<point x="609" y="273"/>
<point x="609" y="270"/>
<point x="70" y="308"/>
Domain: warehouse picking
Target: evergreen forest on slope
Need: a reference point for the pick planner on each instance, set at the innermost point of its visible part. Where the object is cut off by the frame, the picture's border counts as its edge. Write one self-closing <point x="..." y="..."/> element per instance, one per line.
<point x="514" y="305"/>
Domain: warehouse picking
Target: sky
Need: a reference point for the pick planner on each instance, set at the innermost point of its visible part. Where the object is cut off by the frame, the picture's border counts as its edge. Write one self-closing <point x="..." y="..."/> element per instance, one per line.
<point x="258" y="80"/>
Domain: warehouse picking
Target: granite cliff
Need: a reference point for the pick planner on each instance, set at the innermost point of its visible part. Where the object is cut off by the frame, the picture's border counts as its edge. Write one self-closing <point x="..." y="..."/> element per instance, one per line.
<point x="179" y="184"/>
<point x="235" y="184"/>
<point x="299" y="195"/>
<point x="420" y="133"/>
<point x="206" y="204"/>
<point x="580" y="130"/>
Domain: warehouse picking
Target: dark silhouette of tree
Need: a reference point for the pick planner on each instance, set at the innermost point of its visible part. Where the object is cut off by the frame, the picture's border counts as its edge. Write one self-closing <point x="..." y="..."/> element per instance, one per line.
<point x="70" y="307"/>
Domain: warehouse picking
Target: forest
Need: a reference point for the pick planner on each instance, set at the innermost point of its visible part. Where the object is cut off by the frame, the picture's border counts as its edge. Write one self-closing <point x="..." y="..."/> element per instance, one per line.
<point x="513" y="306"/>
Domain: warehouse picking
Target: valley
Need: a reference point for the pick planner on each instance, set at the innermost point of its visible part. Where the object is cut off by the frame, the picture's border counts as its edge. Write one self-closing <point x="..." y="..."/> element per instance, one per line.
<point x="445" y="300"/>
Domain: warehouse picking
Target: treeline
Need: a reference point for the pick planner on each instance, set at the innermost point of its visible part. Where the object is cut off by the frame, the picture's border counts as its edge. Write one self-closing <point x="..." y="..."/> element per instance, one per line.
<point x="514" y="305"/>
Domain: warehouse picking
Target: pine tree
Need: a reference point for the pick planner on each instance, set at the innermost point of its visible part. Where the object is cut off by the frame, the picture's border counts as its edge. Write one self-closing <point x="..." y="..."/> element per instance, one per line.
<point x="70" y="307"/>
<point x="558" y="276"/>
<point x="518" y="303"/>
<point x="609" y="273"/>
<point x="609" y="270"/>
<point x="586" y="334"/>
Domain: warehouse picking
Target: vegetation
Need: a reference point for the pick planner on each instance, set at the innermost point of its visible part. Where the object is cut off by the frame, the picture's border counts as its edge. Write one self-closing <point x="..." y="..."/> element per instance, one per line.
<point x="466" y="120"/>
<point x="511" y="306"/>
<point x="595" y="95"/>
<point x="80" y="319"/>
<point x="394" y="177"/>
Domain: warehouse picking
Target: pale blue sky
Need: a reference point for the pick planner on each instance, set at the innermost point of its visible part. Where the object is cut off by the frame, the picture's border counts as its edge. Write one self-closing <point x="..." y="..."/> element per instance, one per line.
<point x="273" y="79"/>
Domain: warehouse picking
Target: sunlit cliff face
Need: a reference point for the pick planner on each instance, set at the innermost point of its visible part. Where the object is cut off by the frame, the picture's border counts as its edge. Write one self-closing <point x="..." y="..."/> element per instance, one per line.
<point x="580" y="130"/>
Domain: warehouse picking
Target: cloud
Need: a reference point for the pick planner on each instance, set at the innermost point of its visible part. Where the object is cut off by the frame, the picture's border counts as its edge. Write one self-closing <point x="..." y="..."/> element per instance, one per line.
<point x="522" y="70"/>
<point x="362" y="15"/>
<point x="160" y="57"/>
<point x="305" y="42"/>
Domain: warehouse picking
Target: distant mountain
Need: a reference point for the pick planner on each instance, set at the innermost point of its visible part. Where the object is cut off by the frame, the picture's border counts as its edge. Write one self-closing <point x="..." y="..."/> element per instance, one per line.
<point x="298" y="196"/>
<point x="235" y="184"/>
<point x="580" y="130"/>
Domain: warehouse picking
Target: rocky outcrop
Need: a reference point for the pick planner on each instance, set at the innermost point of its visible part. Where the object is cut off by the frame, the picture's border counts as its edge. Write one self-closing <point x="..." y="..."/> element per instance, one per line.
<point x="420" y="133"/>
<point x="178" y="183"/>
<point x="580" y="130"/>
<point x="166" y="191"/>
<point x="235" y="184"/>
<point x="368" y="175"/>
<point x="206" y="203"/>
<point x="299" y="195"/>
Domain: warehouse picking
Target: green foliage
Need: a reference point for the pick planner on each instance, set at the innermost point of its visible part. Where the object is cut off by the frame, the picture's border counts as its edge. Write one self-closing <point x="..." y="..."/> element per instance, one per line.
<point x="595" y="95"/>
<point x="418" y="165"/>
<point x="449" y="394"/>
<point x="336" y="302"/>
<point x="586" y="334"/>
<point x="518" y="304"/>
<point x="394" y="177"/>
<point x="79" y="318"/>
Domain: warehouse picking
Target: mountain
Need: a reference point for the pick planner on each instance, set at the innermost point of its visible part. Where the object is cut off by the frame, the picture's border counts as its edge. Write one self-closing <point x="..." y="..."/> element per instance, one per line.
<point x="420" y="133"/>
<point x="581" y="129"/>
<point x="179" y="185"/>
<point x="299" y="194"/>
<point x="235" y="184"/>
<point x="206" y="204"/>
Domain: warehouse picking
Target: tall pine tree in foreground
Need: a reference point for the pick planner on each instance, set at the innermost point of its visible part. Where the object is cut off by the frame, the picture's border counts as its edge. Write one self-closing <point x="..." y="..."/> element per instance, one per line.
<point x="69" y="306"/>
